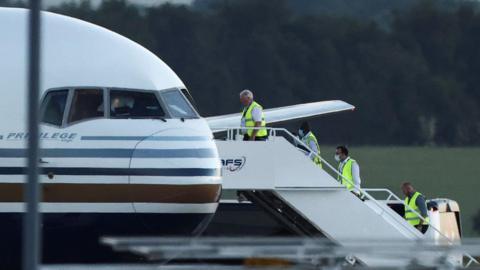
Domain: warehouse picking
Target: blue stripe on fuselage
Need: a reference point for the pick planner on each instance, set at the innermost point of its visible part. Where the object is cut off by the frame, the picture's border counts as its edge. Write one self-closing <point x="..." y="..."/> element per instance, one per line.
<point x="116" y="171"/>
<point x="146" y="138"/>
<point x="112" y="153"/>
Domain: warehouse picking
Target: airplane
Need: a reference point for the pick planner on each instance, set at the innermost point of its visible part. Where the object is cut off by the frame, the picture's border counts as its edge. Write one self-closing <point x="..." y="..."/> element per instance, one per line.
<point x="123" y="150"/>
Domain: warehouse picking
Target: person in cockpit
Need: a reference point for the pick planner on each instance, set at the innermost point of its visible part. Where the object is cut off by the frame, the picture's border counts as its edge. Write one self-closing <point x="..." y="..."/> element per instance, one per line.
<point x="121" y="106"/>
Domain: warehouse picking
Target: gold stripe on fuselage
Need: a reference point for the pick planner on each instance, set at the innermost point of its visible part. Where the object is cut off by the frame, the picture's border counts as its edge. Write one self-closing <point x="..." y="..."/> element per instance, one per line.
<point x="116" y="193"/>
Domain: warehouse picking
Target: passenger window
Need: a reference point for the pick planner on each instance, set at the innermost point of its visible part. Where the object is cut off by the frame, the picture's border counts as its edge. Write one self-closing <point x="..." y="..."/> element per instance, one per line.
<point x="131" y="104"/>
<point x="178" y="105"/>
<point x="53" y="107"/>
<point x="86" y="104"/>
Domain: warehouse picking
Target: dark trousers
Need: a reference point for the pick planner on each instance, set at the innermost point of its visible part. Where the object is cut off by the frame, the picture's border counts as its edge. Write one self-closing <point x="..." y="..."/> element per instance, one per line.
<point x="422" y="228"/>
<point x="360" y="196"/>
<point x="247" y="138"/>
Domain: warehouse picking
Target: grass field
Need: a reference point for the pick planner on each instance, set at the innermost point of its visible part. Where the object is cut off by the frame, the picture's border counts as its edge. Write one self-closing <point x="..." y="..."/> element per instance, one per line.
<point x="436" y="172"/>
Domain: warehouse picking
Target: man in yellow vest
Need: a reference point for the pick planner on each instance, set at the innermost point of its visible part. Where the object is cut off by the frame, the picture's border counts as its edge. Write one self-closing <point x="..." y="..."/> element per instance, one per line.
<point x="253" y="121"/>
<point x="309" y="139"/>
<point x="349" y="170"/>
<point x="416" y="202"/>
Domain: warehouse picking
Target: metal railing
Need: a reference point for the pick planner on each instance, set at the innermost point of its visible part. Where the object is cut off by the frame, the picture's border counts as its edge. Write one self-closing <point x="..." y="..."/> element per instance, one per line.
<point x="364" y="192"/>
<point x="312" y="253"/>
<point x="397" y="199"/>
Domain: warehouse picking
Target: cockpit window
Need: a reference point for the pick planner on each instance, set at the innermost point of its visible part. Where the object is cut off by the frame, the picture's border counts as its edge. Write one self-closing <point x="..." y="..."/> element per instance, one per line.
<point x="53" y="107"/>
<point x="178" y="105"/>
<point x="132" y="104"/>
<point x="86" y="104"/>
<point x="190" y="98"/>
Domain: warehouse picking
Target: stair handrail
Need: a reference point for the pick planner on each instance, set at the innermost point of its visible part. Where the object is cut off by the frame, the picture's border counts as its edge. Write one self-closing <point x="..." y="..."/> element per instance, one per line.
<point x="450" y="241"/>
<point x="370" y="197"/>
<point x="273" y="133"/>
<point x="359" y="190"/>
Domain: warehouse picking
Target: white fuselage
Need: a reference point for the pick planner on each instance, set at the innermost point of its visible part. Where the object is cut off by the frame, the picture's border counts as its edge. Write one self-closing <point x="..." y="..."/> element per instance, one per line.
<point x="122" y="149"/>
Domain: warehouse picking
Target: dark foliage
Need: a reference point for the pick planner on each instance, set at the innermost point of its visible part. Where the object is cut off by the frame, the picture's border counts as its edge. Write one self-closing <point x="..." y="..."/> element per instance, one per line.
<point x="414" y="81"/>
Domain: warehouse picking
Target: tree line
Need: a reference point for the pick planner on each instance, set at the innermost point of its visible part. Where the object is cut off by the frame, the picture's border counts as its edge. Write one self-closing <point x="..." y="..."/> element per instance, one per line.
<point x="413" y="75"/>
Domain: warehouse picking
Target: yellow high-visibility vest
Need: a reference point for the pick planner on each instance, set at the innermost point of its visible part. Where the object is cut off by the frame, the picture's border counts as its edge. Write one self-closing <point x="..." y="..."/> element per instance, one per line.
<point x="309" y="138"/>
<point x="410" y="216"/>
<point x="250" y="123"/>
<point x="347" y="174"/>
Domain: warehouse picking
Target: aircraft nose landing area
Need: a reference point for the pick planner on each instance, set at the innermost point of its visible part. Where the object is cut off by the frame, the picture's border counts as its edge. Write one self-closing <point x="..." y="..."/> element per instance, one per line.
<point x="97" y="185"/>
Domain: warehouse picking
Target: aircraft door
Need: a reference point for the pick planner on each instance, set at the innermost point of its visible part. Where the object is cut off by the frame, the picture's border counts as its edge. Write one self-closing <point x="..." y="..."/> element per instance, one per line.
<point x="171" y="197"/>
<point x="151" y="191"/>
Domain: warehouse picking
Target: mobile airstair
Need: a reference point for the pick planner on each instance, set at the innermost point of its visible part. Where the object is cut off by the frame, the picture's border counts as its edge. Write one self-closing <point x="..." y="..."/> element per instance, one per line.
<point x="281" y="179"/>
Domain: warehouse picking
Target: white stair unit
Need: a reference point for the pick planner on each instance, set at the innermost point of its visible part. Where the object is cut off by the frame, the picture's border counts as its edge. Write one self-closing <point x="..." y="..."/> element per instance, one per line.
<point x="277" y="166"/>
